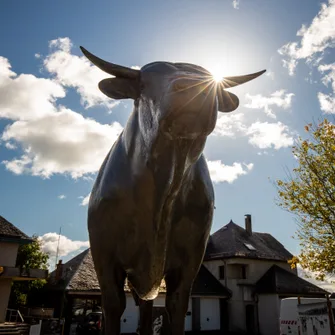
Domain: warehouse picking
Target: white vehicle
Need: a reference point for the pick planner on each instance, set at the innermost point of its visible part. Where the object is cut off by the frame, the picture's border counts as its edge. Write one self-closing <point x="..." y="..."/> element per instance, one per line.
<point x="310" y="317"/>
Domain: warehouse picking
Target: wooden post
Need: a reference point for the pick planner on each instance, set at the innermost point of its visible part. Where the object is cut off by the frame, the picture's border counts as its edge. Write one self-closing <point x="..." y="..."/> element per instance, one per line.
<point x="299" y="303"/>
<point x="330" y="315"/>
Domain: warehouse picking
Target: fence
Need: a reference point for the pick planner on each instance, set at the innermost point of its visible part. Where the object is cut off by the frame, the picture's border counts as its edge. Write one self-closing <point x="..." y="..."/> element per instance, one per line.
<point x="13" y="315"/>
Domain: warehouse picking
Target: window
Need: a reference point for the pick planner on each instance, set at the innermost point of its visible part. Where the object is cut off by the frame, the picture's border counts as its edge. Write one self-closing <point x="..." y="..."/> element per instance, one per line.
<point x="249" y="246"/>
<point x="221" y="272"/>
<point x="244" y="271"/>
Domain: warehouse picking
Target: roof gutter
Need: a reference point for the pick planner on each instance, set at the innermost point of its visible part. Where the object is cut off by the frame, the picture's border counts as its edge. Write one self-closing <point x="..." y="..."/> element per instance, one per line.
<point x="16" y="240"/>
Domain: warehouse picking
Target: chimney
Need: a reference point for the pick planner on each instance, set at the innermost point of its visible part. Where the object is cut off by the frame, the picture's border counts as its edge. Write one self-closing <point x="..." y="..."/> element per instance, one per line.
<point x="59" y="271"/>
<point x="248" y="226"/>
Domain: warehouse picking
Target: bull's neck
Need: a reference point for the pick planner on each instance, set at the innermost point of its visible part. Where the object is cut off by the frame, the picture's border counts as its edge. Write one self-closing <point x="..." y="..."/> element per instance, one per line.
<point x="167" y="160"/>
<point x="164" y="156"/>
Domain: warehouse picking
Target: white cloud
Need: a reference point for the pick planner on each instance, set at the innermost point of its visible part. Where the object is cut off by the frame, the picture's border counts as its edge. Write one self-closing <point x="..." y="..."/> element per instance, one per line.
<point x="85" y="200"/>
<point x="270" y="74"/>
<point x="77" y="72"/>
<point x="10" y="146"/>
<point x="266" y="135"/>
<point x="329" y="77"/>
<point x="66" y="245"/>
<point x="220" y="172"/>
<point x="327" y="102"/>
<point x="326" y="284"/>
<point x="279" y="98"/>
<point x="61" y="196"/>
<point x="314" y="39"/>
<point x="60" y="142"/>
<point x="263" y="135"/>
<point x="229" y="125"/>
<point x="26" y="97"/>
<point x="54" y="139"/>
<point x="236" y="4"/>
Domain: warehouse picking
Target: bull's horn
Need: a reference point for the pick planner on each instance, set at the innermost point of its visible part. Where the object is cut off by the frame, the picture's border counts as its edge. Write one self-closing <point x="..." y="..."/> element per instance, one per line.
<point x="238" y="80"/>
<point x="113" y="69"/>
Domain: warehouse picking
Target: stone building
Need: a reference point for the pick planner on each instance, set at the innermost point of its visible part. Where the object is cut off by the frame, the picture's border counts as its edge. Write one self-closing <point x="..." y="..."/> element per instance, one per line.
<point x="10" y="240"/>
<point x="254" y="267"/>
<point x="244" y="276"/>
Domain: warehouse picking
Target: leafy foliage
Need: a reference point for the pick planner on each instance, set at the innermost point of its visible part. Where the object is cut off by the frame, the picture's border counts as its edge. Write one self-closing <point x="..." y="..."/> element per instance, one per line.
<point x="30" y="256"/>
<point x="309" y="193"/>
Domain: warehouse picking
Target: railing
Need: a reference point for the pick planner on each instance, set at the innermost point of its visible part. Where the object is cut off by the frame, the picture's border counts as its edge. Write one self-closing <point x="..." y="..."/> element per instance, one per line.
<point x="13" y="314"/>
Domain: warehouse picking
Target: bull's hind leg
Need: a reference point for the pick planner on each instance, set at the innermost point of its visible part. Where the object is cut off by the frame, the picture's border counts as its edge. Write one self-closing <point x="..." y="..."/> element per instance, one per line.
<point x="146" y="317"/>
<point x="113" y="299"/>
<point x="177" y="297"/>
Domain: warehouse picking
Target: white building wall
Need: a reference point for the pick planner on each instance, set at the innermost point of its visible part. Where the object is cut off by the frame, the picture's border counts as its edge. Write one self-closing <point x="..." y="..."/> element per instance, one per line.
<point x="8" y="254"/>
<point x="242" y="295"/>
<point x="130" y="317"/>
<point x="268" y="316"/>
<point x="160" y="302"/>
<point x="209" y="314"/>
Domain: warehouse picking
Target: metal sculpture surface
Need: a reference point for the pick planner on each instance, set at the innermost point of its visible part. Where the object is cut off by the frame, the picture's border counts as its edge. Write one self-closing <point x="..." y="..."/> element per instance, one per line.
<point x="150" y="210"/>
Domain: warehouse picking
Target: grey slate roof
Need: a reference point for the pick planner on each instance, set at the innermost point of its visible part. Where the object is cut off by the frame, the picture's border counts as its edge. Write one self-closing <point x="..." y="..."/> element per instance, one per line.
<point x="79" y="275"/>
<point x="7" y="229"/>
<point x="229" y="241"/>
<point x="278" y="280"/>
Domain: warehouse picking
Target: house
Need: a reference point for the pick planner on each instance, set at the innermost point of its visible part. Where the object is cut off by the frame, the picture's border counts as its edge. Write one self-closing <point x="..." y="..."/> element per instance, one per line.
<point x="76" y="286"/>
<point x="254" y="267"/>
<point x="238" y="288"/>
<point x="10" y="240"/>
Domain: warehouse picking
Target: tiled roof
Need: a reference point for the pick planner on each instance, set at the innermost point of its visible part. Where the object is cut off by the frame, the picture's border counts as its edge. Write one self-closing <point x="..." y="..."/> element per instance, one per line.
<point x="79" y="275"/>
<point x="230" y="241"/>
<point x="7" y="229"/>
<point x="278" y="280"/>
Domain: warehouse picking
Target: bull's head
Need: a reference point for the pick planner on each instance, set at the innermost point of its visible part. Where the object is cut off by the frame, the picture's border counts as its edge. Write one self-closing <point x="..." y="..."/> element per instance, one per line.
<point x="180" y="99"/>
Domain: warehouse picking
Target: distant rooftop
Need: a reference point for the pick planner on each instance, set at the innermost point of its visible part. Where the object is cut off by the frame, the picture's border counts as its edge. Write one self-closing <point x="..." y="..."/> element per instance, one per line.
<point x="277" y="280"/>
<point x="234" y="241"/>
<point x="78" y="275"/>
<point x="9" y="232"/>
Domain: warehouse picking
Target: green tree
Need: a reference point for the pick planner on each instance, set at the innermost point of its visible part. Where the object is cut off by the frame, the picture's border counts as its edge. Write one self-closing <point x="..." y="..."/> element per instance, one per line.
<point x="29" y="256"/>
<point x="309" y="193"/>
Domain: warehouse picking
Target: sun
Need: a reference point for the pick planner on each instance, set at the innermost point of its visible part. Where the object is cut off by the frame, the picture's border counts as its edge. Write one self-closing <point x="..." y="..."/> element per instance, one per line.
<point x="217" y="72"/>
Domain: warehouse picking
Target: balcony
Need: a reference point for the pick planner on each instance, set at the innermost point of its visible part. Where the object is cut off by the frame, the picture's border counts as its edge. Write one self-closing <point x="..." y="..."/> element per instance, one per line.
<point x="22" y="274"/>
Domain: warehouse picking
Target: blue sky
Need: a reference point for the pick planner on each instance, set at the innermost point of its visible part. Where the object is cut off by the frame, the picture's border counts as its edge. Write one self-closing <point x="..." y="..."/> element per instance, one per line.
<point x="56" y="127"/>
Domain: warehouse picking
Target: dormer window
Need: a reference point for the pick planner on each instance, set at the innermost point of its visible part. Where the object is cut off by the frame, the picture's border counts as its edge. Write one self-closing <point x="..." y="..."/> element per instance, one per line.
<point x="250" y="246"/>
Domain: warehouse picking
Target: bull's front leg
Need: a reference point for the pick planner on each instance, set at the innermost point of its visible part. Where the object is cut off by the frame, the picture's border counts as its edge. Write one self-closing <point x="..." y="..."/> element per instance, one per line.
<point x="113" y="299"/>
<point x="177" y="297"/>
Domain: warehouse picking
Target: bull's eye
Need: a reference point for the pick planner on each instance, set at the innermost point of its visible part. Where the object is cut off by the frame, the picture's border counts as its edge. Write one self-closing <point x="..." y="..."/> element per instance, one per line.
<point x="179" y="87"/>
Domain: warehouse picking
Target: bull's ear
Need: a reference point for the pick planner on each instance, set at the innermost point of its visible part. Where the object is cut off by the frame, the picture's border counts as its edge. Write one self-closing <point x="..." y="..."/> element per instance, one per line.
<point x="228" y="102"/>
<point x="120" y="88"/>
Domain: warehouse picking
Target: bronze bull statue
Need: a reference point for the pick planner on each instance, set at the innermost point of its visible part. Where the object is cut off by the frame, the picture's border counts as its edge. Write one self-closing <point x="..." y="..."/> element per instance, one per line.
<point x="151" y="207"/>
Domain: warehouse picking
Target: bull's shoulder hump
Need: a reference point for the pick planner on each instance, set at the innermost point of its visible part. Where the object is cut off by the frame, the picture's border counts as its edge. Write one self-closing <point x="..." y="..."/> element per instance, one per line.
<point x="114" y="170"/>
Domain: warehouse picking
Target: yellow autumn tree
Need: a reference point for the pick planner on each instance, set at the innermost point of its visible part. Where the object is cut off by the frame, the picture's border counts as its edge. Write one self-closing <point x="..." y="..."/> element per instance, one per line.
<point x="309" y="193"/>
